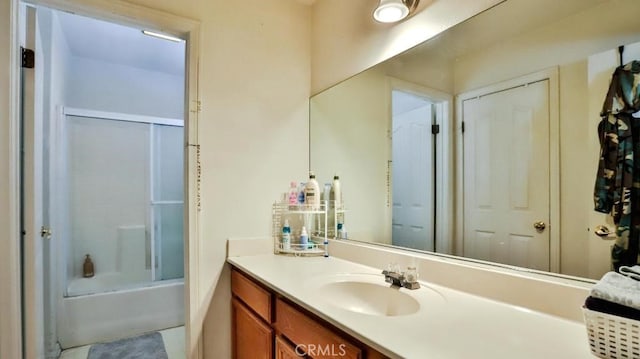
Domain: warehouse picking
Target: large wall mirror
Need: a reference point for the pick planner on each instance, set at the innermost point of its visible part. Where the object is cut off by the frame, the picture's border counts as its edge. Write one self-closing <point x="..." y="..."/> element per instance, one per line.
<point x="482" y="142"/>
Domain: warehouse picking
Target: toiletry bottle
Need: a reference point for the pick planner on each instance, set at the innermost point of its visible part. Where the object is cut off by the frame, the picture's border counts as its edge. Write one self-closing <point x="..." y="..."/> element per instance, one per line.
<point x="344" y="232"/>
<point x="304" y="238"/>
<point x="326" y="194"/>
<point x="293" y="195"/>
<point x="339" y="231"/>
<point x="312" y="193"/>
<point x="87" y="267"/>
<point x="286" y="236"/>
<point x="336" y="192"/>
<point x="301" y="193"/>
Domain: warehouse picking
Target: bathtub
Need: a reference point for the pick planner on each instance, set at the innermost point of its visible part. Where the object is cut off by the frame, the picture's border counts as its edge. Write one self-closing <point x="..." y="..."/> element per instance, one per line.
<point x="108" y="282"/>
<point x="99" y="317"/>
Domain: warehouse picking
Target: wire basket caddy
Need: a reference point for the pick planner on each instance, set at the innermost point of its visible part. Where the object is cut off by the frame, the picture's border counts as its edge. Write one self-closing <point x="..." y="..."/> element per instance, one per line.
<point x="299" y="215"/>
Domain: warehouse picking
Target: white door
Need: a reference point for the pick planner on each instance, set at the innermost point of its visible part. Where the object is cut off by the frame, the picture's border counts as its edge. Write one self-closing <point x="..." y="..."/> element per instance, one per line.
<point x="412" y="173"/>
<point x="506" y="176"/>
<point x="32" y="255"/>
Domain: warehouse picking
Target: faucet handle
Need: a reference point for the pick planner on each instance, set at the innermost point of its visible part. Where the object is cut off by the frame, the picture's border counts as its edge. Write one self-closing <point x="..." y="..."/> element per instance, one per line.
<point x="411" y="275"/>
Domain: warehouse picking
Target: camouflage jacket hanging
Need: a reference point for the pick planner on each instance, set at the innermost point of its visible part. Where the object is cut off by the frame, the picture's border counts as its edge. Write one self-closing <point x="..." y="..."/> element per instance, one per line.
<point x="617" y="189"/>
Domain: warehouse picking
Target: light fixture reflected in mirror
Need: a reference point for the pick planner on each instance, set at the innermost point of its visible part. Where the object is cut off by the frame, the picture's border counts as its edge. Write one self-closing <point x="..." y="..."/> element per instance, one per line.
<point x="389" y="11"/>
<point x="162" y="36"/>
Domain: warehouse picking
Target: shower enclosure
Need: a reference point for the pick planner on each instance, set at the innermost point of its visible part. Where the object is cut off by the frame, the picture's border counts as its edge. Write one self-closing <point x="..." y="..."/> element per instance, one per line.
<point x="121" y="200"/>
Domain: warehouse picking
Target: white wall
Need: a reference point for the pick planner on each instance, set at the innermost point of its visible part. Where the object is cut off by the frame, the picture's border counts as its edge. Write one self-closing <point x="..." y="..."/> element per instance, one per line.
<point x="345" y="40"/>
<point x="104" y="86"/>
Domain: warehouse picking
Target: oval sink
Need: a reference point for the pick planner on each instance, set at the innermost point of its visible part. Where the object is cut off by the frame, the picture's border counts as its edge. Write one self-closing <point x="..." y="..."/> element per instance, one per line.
<point x="369" y="298"/>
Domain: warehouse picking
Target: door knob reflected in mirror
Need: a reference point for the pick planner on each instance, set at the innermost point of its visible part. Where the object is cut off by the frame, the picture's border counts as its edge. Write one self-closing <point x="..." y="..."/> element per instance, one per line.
<point x="602" y="231"/>
<point x="539" y="226"/>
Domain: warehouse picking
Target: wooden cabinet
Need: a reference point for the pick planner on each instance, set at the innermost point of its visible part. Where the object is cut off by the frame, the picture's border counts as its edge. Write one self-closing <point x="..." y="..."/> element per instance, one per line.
<point x="266" y="325"/>
<point x="284" y="350"/>
<point x="313" y="337"/>
<point x="252" y="338"/>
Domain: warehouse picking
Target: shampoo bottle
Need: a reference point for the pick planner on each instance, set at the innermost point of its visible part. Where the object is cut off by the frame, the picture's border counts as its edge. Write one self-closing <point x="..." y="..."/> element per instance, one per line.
<point x="286" y="236"/>
<point x="312" y="193"/>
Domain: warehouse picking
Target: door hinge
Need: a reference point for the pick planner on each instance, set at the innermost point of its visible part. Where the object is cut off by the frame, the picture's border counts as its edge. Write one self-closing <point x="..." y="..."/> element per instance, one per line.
<point x="462" y="126"/>
<point x="435" y="129"/>
<point x="196" y="106"/>
<point x="28" y="58"/>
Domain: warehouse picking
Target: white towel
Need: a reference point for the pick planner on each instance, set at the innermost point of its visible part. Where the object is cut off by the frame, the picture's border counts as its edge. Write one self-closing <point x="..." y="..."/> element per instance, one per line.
<point x="616" y="288"/>
<point x="631" y="272"/>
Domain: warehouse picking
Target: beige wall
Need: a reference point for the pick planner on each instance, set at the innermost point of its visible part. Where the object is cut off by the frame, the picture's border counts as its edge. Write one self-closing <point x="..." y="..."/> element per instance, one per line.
<point x="349" y="132"/>
<point x="9" y="250"/>
<point x="349" y="135"/>
<point x="254" y="86"/>
<point x="345" y="41"/>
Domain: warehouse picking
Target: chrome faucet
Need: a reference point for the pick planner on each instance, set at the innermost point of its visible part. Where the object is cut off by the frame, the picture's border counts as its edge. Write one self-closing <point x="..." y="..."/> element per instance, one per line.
<point x="396" y="278"/>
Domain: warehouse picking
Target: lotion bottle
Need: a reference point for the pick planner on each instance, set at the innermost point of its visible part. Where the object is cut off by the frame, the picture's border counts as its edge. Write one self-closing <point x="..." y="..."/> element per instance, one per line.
<point x="312" y="193"/>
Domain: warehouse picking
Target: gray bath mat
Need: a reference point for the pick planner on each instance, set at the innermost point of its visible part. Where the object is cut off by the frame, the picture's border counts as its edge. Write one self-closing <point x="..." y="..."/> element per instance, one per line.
<point x="147" y="346"/>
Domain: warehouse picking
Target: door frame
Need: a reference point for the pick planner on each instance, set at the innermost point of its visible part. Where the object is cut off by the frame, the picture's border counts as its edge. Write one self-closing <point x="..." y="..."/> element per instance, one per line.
<point x="550" y="74"/>
<point x="445" y="190"/>
<point x="123" y="13"/>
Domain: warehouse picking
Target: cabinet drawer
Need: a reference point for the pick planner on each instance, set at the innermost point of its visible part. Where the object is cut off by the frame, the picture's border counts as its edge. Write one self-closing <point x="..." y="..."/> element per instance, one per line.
<point x="254" y="296"/>
<point x="304" y="331"/>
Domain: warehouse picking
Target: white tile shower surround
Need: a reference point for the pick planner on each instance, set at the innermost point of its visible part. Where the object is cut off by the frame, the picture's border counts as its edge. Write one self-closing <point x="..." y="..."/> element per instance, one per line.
<point x="173" y="343"/>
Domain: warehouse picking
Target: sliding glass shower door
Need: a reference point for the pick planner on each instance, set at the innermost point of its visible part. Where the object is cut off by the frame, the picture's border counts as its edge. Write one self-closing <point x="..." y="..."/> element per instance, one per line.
<point x="167" y="201"/>
<point x="122" y="201"/>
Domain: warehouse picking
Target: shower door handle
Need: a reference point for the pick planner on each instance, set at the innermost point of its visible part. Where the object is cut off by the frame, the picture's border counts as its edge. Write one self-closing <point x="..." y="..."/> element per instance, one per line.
<point x="45" y="232"/>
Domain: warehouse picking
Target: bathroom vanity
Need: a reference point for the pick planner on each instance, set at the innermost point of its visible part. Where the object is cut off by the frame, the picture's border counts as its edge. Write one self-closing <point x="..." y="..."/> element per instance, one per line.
<point x="267" y="324"/>
<point x="346" y="309"/>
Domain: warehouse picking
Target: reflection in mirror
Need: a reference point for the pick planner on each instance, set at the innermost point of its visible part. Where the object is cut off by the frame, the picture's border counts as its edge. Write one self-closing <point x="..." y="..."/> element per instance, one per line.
<point x="483" y="142"/>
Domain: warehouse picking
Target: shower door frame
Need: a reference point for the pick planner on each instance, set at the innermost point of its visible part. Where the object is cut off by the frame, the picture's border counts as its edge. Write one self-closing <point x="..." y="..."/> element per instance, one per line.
<point x="15" y="334"/>
<point x="59" y="154"/>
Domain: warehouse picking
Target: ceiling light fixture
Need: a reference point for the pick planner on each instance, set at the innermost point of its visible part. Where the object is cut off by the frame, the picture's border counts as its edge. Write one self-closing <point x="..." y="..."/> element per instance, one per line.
<point x="161" y="36"/>
<point x="394" y="10"/>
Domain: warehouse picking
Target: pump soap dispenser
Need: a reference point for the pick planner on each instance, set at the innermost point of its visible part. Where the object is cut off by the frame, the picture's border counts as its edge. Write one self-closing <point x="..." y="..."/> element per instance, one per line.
<point x="87" y="267"/>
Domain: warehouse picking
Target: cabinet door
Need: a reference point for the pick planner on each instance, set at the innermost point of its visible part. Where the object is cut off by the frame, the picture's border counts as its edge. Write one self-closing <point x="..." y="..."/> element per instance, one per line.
<point x="285" y="350"/>
<point x="252" y="338"/>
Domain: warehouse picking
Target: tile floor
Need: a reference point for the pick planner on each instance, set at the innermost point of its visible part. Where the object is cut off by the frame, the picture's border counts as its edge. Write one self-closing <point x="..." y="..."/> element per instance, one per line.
<point x="173" y="344"/>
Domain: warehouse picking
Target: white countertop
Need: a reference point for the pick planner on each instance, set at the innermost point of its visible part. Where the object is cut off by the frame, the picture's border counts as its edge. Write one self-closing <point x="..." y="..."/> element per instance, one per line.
<point x="458" y="326"/>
